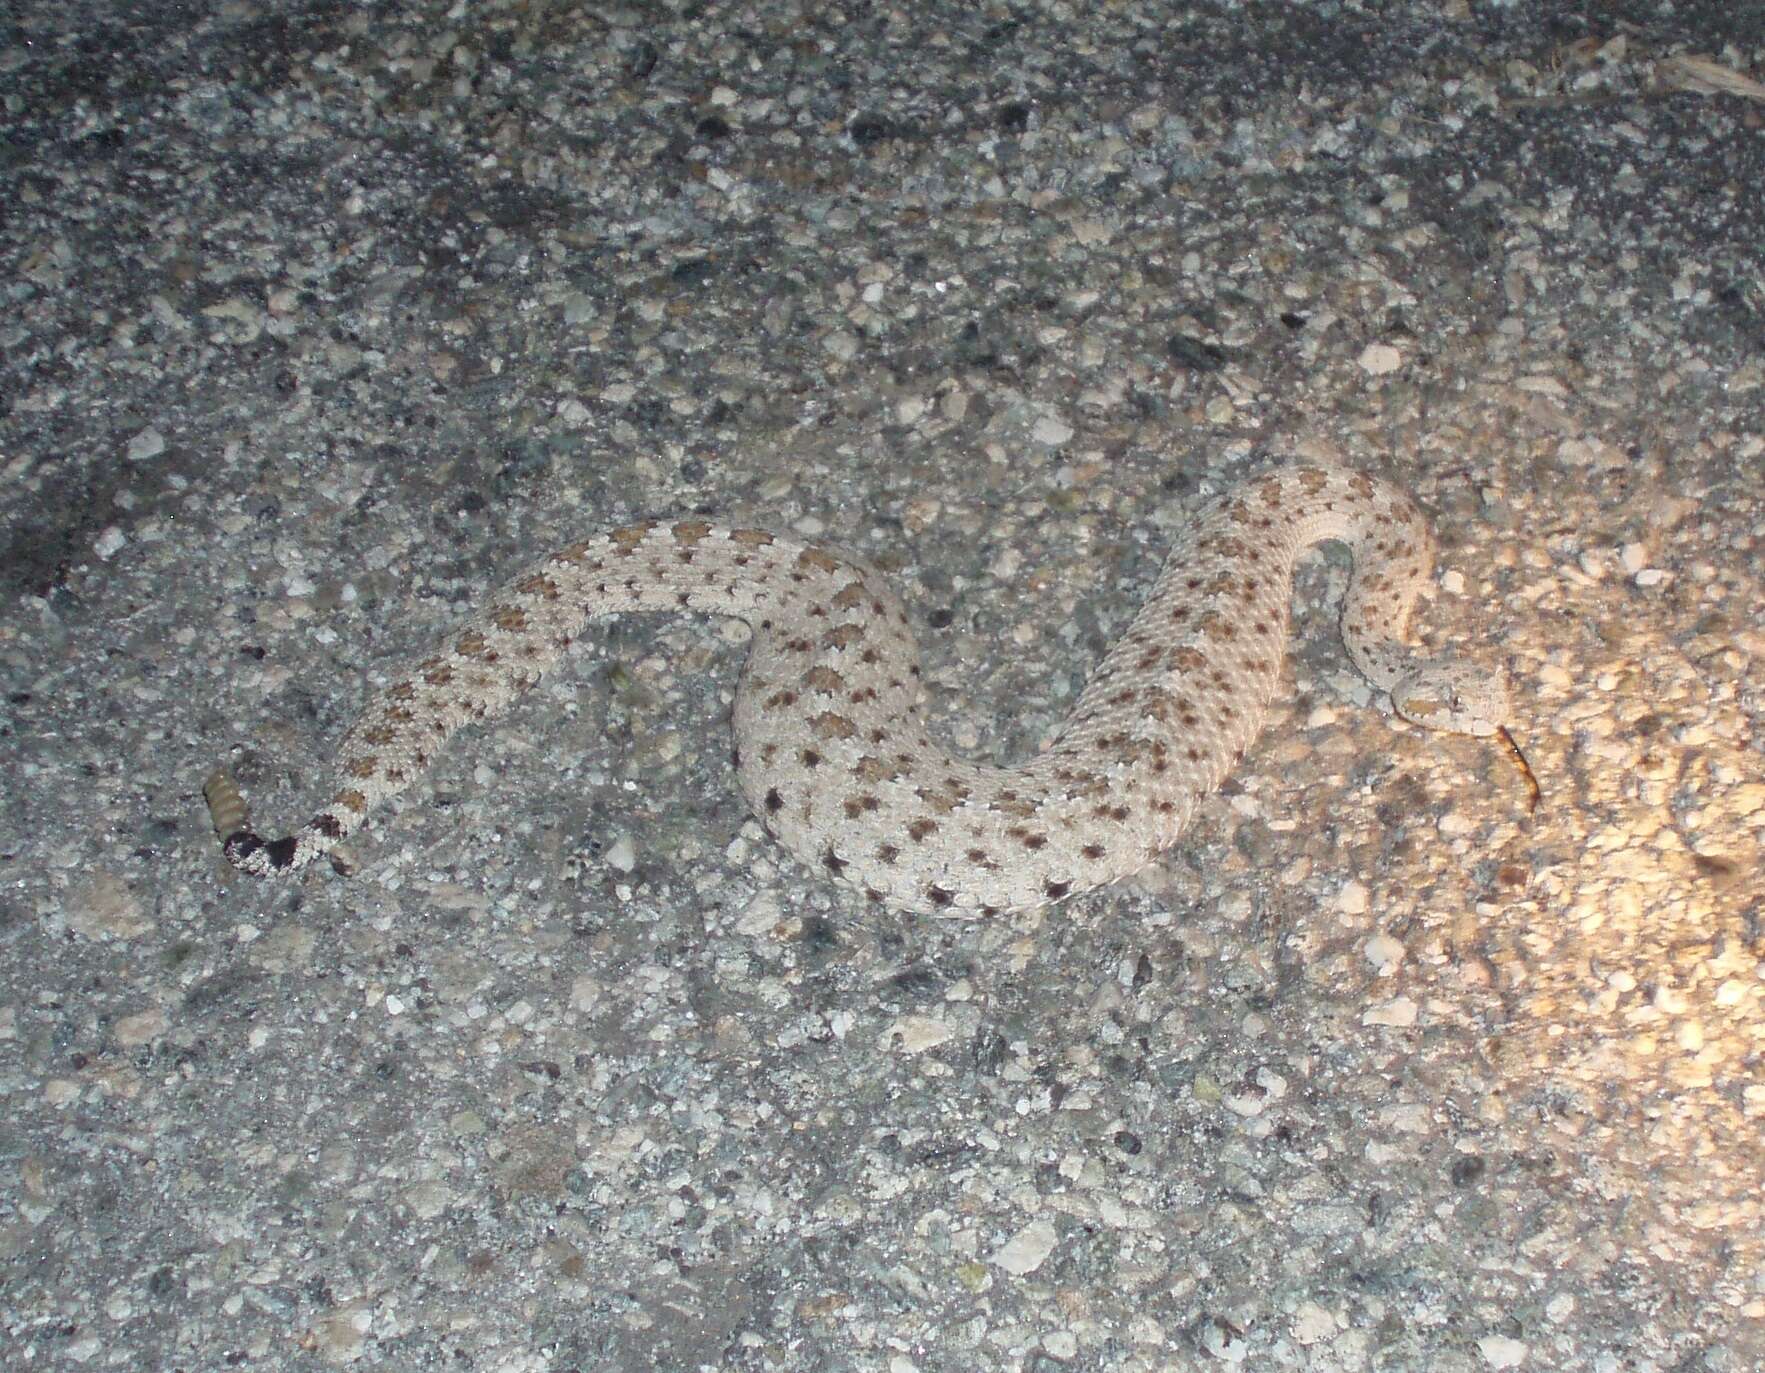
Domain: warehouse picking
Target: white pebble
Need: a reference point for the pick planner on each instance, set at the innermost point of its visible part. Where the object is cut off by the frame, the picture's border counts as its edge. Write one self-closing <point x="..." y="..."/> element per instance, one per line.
<point x="149" y="443"/>
<point x="1025" y="1251"/>
<point x="134" y="1030"/>
<point x="585" y="993"/>
<point x="621" y="855"/>
<point x="1352" y="899"/>
<point x="914" y="1034"/>
<point x="1380" y="358"/>
<point x="1499" y="1351"/>
<point x="1052" y="430"/>
<point x="1399" y="1013"/>
<point x="61" y="1091"/>
<point x="109" y="541"/>
<point x="1384" y="953"/>
<point x="1312" y="1323"/>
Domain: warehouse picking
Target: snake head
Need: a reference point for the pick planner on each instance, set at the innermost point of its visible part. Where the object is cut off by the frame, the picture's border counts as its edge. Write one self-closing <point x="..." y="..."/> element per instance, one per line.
<point x="1460" y="698"/>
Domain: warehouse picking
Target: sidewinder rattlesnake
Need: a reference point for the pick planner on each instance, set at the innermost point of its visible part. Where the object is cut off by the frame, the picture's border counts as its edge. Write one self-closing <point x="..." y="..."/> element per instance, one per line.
<point x="832" y="750"/>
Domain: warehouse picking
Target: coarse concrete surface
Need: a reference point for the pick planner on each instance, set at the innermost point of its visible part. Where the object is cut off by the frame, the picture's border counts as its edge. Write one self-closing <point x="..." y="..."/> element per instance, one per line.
<point x="320" y="320"/>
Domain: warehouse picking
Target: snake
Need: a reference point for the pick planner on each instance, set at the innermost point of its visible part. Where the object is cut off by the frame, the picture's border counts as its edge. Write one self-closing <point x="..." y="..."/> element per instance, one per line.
<point x="833" y="749"/>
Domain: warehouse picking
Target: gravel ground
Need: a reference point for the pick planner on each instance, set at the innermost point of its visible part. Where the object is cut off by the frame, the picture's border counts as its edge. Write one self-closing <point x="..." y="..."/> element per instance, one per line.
<point x="320" y="320"/>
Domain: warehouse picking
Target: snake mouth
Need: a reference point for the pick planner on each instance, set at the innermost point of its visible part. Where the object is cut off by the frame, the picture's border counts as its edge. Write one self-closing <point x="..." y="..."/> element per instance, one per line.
<point x="1513" y="751"/>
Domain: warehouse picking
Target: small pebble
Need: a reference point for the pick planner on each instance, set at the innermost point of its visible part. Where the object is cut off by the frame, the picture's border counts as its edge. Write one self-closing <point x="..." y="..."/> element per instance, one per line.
<point x="914" y="1034"/>
<point x="1025" y="1251"/>
<point x="1384" y="953"/>
<point x="1312" y="1323"/>
<point x="1398" y="1013"/>
<point x="149" y="443"/>
<point x="1380" y="358"/>
<point x="1052" y="430"/>
<point x="621" y="854"/>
